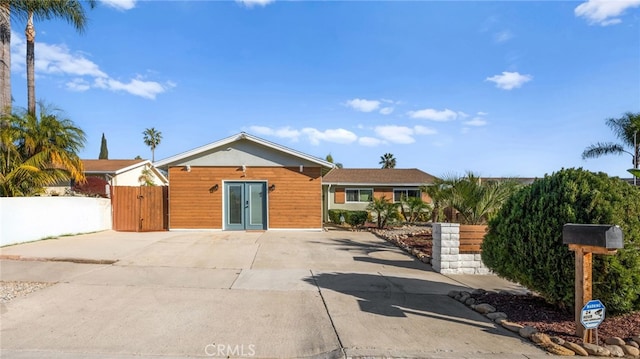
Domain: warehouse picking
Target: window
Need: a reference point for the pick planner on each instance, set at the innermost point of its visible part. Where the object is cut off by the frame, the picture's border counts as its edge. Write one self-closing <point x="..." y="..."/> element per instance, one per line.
<point x="398" y="194"/>
<point x="359" y="195"/>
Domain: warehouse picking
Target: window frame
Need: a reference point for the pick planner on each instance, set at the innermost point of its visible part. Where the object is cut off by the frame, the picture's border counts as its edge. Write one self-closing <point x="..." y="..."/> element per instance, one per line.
<point x="405" y="191"/>
<point x="347" y="190"/>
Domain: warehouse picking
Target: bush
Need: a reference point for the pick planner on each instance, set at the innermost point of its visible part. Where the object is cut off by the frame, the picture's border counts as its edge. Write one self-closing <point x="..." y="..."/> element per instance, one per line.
<point x="354" y="218"/>
<point x="524" y="241"/>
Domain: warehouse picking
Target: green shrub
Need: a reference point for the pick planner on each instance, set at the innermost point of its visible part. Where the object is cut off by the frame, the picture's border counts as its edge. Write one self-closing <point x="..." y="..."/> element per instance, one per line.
<point x="354" y="218"/>
<point x="524" y="241"/>
<point x="357" y="218"/>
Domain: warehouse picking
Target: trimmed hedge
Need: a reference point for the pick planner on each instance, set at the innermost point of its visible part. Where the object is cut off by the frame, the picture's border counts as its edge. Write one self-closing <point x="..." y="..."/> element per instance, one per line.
<point x="524" y="241"/>
<point x="354" y="218"/>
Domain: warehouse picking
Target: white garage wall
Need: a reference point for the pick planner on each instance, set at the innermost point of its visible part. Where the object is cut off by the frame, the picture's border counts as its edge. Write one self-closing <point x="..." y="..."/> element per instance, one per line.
<point x="25" y="219"/>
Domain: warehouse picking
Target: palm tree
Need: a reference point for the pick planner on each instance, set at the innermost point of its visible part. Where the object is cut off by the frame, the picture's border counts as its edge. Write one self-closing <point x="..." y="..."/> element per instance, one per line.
<point x="476" y="200"/>
<point x="387" y="161"/>
<point x="385" y="210"/>
<point x="70" y="10"/>
<point x="5" y="60"/>
<point x="39" y="151"/>
<point x="152" y="138"/>
<point x="627" y="129"/>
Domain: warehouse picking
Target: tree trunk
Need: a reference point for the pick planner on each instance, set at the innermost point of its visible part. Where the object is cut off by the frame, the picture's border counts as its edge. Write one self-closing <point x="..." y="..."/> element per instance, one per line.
<point x="5" y="61"/>
<point x="30" y="34"/>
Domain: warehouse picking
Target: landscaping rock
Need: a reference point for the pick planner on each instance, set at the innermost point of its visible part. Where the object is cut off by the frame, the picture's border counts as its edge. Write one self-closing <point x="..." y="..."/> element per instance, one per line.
<point x="484" y="308"/>
<point x="633" y="344"/>
<point x="463" y="297"/>
<point x="514" y="327"/>
<point x="478" y="291"/>
<point x="499" y="320"/>
<point x="556" y="349"/>
<point x="470" y="301"/>
<point x="453" y="293"/>
<point x="576" y="348"/>
<point x="527" y="331"/>
<point x="496" y="315"/>
<point x="540" y="338"/>
<point x="558" y="340"/>
<point x="636" y="338"/>
<point x="614" y="341"/>
<point x="596" y="350"/>
<point x="630" y="350"/>
<point x="615" y="350"/>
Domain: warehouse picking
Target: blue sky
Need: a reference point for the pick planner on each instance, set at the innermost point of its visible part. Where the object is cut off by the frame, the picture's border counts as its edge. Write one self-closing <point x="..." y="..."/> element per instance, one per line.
<point x="506" y="88"/>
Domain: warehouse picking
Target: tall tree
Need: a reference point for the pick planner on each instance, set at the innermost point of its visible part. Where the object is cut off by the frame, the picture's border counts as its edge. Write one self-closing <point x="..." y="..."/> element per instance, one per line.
<point x="627" y="130"/>
<point x="387" y="161"/>
<point x="152" y="138"/>
<point x="5" y="60"/>
<point x="70" y="10"/>
<point x="104" y="151"/>
<point x="39" y="151"/>
<point x="329" y="159"/>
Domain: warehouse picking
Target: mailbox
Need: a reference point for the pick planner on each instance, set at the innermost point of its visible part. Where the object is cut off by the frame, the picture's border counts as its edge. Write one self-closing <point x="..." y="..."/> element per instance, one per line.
<point x="597" y="235"/>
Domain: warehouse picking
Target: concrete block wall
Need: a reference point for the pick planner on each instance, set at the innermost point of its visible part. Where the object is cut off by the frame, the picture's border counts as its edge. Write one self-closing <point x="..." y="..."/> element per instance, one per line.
<point x="446" y="257"/>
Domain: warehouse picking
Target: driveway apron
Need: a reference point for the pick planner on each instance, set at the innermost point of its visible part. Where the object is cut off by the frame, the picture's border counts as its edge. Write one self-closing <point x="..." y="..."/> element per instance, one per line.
<point x="274" y="294"/>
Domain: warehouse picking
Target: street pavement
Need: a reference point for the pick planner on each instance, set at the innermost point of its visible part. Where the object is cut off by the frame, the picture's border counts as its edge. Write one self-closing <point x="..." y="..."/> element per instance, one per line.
<point x="273" y="294"/>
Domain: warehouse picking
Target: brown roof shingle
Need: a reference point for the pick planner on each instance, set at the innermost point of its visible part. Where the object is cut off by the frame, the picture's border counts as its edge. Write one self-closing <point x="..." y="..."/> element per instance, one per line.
<point x="107" y="166"/>
<point x="378" y="176"/>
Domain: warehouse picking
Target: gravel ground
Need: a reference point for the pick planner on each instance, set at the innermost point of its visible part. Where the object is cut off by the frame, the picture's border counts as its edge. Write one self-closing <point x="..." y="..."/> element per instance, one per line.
<point x="12" y="290"/>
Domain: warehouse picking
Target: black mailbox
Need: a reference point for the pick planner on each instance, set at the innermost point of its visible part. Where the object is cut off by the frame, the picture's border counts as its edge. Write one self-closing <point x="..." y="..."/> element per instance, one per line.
<point x="597" y="235"/>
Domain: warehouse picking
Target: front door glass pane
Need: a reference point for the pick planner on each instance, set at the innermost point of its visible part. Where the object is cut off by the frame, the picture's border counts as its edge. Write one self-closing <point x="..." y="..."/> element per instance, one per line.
<point x="255" y="203"/>
<point x="235" y="204"/>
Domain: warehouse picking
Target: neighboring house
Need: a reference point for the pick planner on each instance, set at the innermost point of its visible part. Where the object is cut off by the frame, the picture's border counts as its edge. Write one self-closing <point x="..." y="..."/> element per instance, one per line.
<point x="115" y="173"/>
<point x="243" y="182"/>
<point x="354" y="188"/>
<point x="125" y="172"/>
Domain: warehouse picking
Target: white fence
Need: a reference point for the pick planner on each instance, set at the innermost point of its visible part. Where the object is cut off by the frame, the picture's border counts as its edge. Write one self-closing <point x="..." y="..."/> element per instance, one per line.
<point x="25" y="219"/>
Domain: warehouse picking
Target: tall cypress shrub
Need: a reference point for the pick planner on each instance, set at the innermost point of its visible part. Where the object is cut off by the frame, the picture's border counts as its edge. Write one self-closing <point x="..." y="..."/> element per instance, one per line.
<point x="524" y="241"/>
<point x="104" y="151"/>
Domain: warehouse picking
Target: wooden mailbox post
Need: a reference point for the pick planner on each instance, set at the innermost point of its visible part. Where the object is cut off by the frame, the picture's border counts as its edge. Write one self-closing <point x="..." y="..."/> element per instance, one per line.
<point x="585" y="240"/>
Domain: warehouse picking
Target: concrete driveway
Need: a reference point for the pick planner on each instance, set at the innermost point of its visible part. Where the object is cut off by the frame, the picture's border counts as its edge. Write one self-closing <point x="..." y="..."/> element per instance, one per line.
<point x="274" y="294"/>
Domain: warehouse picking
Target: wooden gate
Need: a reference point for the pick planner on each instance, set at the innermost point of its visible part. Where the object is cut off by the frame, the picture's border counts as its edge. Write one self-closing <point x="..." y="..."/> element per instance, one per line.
<point x="139" y="209"/>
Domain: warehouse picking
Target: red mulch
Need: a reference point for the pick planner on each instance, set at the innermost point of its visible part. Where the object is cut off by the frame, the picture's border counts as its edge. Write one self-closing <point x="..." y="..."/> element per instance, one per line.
<point x="421" y="242"/>
<point x="534" y="311"/>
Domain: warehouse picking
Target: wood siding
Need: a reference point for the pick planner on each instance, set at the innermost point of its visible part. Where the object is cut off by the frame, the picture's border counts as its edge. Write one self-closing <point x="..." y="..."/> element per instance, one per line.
<point x="471" y="237"/>
<point x="139" y="209"/>
<point x="340" y="195"/>
<point x="296" y="201"/>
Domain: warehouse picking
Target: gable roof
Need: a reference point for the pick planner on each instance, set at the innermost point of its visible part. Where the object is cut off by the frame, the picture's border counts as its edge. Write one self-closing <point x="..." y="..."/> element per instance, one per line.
<point x="378" y="176"/>
<point x="238" y="137"/>
<point x="116" y="167"/>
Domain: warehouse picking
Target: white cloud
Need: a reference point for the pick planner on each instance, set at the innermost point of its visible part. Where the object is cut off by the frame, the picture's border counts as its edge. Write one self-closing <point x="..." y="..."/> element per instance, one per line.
<point x="363" y="105"/>
<point x="509" y="80"/>
<point x="138" y="87"/>
<point x="434" y="115"/>
<point x="338" y="135"/>
<point x="370" y="141"/>
<point x="120" y="4"/>
<point x="480" y="113"/>
<point x="78" y="84"/>
<point x="396" y="134"/>
<point x="476" y="121"/>
<point x="282" y="132"/>
<point x="59" y="60"/>
<point x="386" y="110"/>
<point x="422" y="130"/>
<point x="462" y="114"/>
<point x="604" y="12"/>
<point x="252" y="3"/>
<point x="503" y="36"/>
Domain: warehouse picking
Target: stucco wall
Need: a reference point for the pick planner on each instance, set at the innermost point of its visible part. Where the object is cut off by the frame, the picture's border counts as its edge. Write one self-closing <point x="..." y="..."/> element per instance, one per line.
<point x="26" y="219"/>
